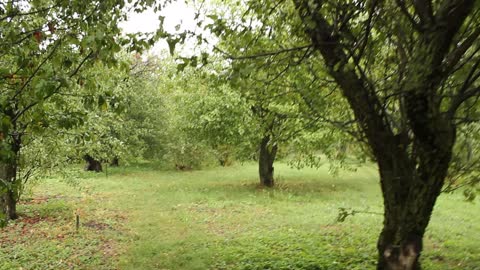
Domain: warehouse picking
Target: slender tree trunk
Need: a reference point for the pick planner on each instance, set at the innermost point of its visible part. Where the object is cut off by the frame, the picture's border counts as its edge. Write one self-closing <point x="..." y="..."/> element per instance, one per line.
<point x="3" y="192"/>
<point x="3" y="211"/>
<point x="11" y="204"/>
<point x="11" y="186"/>
<point x="265" y="162"/>
<point x="92" y="164"/>
<point x="9" y="192"/>
<point x="224" y="160"/>
<point x="11" y="196"/>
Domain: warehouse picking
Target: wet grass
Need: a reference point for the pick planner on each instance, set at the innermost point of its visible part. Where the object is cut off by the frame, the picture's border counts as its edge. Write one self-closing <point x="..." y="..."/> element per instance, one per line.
<point x="141" y="218"/>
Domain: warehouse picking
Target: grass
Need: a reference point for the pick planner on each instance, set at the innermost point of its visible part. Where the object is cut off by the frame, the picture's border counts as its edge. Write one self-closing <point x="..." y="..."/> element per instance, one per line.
<point x="141" y="218"/>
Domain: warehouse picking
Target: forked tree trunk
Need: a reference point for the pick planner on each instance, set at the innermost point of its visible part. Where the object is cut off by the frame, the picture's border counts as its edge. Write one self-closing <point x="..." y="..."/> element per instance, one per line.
<point x="265" y="162"/>
<point x="410" y="192"/>
<point x="92" y="164"/>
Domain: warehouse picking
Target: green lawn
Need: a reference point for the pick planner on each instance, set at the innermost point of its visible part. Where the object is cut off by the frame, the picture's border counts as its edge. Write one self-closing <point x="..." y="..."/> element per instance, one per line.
<point x="141" y="218"/>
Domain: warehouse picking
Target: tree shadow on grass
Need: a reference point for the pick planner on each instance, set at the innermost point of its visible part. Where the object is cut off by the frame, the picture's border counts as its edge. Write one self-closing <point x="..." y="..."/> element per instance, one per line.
<point x="292" y="187"/>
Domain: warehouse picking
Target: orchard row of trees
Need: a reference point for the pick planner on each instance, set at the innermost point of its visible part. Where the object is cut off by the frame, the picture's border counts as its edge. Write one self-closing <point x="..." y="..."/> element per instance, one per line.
<point x="401" y="77"/>
<point x="396" y="82"/>
<point x="64" y="82"/>
<point x="76" y="96"/>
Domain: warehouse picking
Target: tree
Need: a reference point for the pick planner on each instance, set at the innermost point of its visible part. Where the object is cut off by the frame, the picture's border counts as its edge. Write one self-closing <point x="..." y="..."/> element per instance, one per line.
<point x="273" y="81"/>
<point x="145" y="114"/>
<point x="219" y="118"/>
<point x="409" y="72"/>
<point x="45" y="45"/>
<point x="405" y="69"/>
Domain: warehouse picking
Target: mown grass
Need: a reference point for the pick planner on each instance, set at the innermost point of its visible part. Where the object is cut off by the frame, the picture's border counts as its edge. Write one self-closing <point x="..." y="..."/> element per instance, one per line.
<point x="141" y="218"/>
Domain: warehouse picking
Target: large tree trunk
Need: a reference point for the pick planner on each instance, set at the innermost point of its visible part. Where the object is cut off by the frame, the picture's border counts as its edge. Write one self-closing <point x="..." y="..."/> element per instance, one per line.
<point x="410" y="190"/>
<point x="92" y="164"/>
<point x="265" y="162"/>
<point x="412" y="144"/>
<point x="400" y="242"/>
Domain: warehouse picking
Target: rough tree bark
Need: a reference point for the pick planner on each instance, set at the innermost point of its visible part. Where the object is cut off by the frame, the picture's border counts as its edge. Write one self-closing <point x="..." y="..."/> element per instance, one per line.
<point x="9" y="189"/>
<point x="11" y="203"/>
<point x="92" y="164"/>
<point x="410" y="191"/>
<point x="265" y="162"/>
<point x="413" y="161"/>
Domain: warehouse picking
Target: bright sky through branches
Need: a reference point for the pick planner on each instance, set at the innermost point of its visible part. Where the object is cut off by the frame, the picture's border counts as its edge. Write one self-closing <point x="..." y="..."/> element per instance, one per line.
<point x="177" y="13"/>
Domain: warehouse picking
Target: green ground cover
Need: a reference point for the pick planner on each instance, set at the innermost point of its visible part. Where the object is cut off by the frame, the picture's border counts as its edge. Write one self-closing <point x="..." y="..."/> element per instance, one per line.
<point x="142" y="218"/>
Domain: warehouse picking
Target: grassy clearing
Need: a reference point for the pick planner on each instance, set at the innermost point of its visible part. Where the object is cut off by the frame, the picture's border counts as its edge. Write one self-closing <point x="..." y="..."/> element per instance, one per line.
<point x="140" y="218"/>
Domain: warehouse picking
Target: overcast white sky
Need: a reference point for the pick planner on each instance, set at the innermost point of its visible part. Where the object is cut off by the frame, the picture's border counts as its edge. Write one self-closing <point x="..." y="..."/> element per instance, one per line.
<point x="176" y="13"/>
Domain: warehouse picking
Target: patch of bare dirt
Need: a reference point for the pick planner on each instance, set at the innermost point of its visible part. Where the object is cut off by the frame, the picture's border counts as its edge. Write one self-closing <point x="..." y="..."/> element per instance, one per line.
<point x="96" y="225"/>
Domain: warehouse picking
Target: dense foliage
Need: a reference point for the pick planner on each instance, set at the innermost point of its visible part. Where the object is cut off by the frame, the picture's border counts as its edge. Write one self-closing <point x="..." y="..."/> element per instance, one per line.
<point x="396" y="83"/>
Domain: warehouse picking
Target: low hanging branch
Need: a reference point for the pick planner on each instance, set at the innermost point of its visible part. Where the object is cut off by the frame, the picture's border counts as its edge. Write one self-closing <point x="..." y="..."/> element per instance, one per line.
<point x="343" y="213"/>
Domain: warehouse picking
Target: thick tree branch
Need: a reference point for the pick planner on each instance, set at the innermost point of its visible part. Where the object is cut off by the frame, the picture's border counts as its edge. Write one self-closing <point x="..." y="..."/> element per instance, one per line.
<point x="454" y="57"/>
<point x="461" y="98"/>
<point x="424" y="10"/>
<point x="363" y="100"/>
<point x="448" y="20"/>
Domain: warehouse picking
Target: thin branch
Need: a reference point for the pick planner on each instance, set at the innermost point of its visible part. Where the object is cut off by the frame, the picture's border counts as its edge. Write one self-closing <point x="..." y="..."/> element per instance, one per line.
<point x="263" y="54"/>
<point x="17" y="14"/>
<point x="19" y="91"/>
<point x="24" y="110"/>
